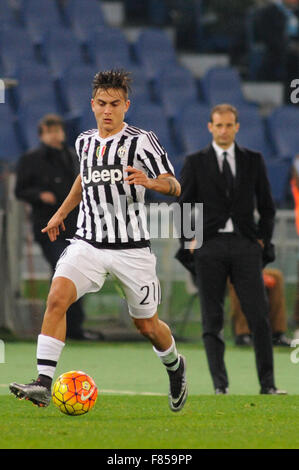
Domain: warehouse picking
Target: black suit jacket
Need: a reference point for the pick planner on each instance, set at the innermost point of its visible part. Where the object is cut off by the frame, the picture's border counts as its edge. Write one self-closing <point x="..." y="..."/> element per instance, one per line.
<point x="202" y="181"/>
<point x="46" y="169"/>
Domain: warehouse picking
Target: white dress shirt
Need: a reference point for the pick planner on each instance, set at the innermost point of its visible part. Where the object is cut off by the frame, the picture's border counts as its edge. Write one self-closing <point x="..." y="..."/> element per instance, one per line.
<point x="229" y="226"/>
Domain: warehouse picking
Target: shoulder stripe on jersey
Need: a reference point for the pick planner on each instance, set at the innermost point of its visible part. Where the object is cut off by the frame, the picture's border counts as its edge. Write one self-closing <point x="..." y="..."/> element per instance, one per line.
<point x="135" y="130"/>
<point x="155" y="143"/>
<point x="150" y="135"/>
<point x="89" y="132"/>
<point x="156" y="140"/>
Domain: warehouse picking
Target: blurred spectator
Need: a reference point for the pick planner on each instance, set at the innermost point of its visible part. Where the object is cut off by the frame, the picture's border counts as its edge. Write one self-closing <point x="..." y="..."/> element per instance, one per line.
<point x="45" y="176"/>
<point x="276" y="28"/>
<point x="274" y="283"/>
<point x="224" y="28"/>
<point x="186" y="18"/>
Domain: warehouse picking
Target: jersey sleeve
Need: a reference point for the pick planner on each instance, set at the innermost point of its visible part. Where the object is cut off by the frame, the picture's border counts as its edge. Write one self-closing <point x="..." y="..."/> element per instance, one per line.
<point x="153" y="155"/>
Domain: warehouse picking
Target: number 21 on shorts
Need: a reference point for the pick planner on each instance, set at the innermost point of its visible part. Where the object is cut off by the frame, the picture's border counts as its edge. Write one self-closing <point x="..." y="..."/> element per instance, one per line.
<point x="151" y="293"/>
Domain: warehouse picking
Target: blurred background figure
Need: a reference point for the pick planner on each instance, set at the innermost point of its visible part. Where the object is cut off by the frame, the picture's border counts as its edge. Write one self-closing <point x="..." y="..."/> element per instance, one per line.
<point x="45" y="176"/>
<point x="274" y="283"/>
<point x="276" y="30"/>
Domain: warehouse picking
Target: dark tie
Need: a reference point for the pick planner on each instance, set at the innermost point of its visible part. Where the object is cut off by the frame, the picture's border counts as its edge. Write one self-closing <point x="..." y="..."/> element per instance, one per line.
<point x="228" y="176"/>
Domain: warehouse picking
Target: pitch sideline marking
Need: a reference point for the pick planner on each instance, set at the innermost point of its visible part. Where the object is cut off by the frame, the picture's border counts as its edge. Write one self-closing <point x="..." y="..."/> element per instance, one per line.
<point x="131" y="392"/>
<point x="118" y="392"/>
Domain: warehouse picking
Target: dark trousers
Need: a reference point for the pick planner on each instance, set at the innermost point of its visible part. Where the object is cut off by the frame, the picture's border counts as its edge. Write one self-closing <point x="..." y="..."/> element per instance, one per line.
<point x="240" y="259"/>
<point x="75" y="313"/>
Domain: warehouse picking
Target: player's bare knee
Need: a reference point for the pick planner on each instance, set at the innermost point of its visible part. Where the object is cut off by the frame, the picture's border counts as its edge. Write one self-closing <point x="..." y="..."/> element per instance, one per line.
<point x="56" y="304"/>
<point x="62" y="294"/>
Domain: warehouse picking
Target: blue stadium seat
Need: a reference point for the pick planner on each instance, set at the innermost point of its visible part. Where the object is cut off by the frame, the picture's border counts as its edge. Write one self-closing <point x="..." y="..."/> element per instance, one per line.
<point x="109" y="48"/>
<point x="77" y="86"/>
<point x="222" y="85"/>
<point x="7" y="14"/>
<point x="255" y="139"/>
<point x="10" y="145"/>
<point x="178" y="163"/>
<point x="6" y="113"/>
<point x="175" y="87"/>
<point x="85" y="17"/>
<point x="191" y="127"/>
<point x="40" y="17"/>
<point x="16" y="46"/>
<point x="137" y="102"/>
<point x="87" y="120"/>
<point x="138" y="97"/>
<point x="35" y="84"/>
<point x="154" y="50"/>
<point x="256" y="50"/>
<point x="140" y="86"/>
<point x="29" y="116"/>
<point x="283" y="127"/>
<point x="62" y="50"/>
<point x="252" y="133"/>
<point x="151" y="117"/>
<point x="279" y="175"/>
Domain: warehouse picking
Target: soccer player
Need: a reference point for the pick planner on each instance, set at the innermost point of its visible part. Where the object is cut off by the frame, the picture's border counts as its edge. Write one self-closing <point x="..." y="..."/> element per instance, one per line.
<point x="117" y="163"/>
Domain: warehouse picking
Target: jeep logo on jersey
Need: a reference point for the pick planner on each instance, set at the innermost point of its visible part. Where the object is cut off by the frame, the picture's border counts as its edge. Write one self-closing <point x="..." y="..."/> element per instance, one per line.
<point x="106" y="174"/>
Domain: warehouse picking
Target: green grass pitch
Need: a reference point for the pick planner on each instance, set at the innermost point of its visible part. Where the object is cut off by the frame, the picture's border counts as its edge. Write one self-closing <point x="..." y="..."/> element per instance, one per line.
<point x="132" y="409"/>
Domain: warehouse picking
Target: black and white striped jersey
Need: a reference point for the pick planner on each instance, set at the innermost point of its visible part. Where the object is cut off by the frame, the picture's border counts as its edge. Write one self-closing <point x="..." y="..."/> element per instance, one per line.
<point x="112" y="213"/>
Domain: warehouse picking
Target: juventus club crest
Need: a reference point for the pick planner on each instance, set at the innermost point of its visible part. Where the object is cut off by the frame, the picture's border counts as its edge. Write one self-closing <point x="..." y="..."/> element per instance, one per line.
<point x="122" y="152"/>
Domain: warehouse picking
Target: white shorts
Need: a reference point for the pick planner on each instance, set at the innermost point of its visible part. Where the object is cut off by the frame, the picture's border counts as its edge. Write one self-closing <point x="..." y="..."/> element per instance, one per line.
<point x="134" y="269"/>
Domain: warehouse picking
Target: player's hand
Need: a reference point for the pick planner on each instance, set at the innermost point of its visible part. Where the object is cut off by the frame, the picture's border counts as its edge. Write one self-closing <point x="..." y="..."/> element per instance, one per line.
<point x="138" y="177"/>
<point x="54" y="226"/>
<point x="260" y="242"/>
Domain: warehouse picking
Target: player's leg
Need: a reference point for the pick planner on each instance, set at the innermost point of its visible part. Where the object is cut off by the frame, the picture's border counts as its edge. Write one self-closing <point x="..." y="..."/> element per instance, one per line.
<point x="157" y="331"/>
<point x="50" y="342"/>
<point x="159" y="334"/>
<point x="62" y="294"/>
<point x="69" y="283"/>
<point x="136" y="270"/>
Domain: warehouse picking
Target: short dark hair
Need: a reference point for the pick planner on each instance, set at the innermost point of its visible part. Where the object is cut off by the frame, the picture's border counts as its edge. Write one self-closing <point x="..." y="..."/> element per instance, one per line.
<point x="224" y="108"/>
<point x="118" y="79"/>
<point x="50" y="120"/>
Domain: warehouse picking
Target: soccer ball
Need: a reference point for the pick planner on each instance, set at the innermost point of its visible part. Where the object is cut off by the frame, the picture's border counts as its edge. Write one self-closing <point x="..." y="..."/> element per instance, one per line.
<point x="74" y="393"/>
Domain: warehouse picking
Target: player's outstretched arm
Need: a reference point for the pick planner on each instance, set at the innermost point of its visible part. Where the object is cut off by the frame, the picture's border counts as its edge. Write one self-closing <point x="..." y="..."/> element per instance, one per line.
<point x="56" y="223"/>
<point x="165" y="183"/>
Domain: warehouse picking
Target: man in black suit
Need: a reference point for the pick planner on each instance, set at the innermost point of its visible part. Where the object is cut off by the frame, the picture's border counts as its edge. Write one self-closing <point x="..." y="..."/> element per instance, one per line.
<point x="45" y="175"/>
<point x="231" y="182"/>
